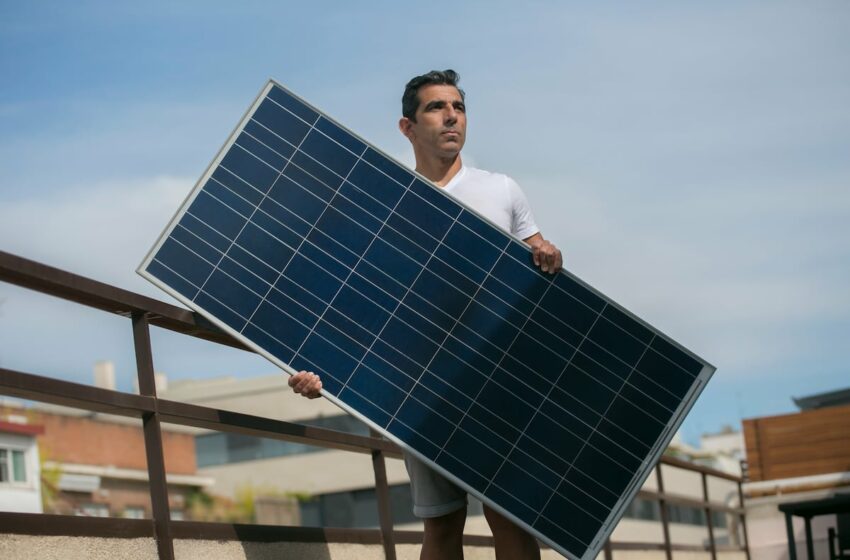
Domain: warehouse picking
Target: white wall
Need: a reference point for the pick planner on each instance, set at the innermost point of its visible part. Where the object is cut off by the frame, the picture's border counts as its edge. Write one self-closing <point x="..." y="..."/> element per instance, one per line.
<point x="23" y="497"/>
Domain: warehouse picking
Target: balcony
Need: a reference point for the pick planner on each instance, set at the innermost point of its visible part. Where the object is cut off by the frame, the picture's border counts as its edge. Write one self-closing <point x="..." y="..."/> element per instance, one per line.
<point x="33" y="535"/>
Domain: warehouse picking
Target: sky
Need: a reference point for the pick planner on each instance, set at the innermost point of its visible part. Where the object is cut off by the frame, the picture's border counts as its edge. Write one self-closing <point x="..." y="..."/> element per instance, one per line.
<point x="691" y="159"/>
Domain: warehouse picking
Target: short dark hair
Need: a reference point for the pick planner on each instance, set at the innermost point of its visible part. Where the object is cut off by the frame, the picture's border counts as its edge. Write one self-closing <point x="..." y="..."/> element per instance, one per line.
<point x="410" y="99"/>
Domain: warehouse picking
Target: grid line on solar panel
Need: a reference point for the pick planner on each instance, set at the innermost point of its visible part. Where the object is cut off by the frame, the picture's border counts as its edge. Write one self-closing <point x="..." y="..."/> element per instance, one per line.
<point x="489" y="377"/>
<point x="546" y="397"/>
<point x="566" y="473"/>
<point x="548" y="486"/>
<point x="414" y="397"/>
<point x="537" y="323"/>
<point x="459" y="460"/>
<point x="620" y="328"/>
<point x="456" y="319"/>
<point x="265" y="194"/>
<point x="304" y="239"/>
<point x="288" y="314"/>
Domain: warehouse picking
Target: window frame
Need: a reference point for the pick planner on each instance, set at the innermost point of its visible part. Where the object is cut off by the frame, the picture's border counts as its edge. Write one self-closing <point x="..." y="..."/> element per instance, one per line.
<point x="8" y="459"/>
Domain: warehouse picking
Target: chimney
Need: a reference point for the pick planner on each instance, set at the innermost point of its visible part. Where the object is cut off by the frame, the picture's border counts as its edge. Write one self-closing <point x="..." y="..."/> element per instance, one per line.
<point x="104" y="375"/>
<point x="160" y="380"/>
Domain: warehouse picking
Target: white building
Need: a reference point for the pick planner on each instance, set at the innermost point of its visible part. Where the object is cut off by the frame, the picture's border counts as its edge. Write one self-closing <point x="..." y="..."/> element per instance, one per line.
<point x="20" y="473"/>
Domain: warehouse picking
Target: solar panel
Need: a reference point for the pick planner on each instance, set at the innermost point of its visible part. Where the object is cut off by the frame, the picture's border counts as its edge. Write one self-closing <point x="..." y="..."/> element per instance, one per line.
<point x="535" y="392"/>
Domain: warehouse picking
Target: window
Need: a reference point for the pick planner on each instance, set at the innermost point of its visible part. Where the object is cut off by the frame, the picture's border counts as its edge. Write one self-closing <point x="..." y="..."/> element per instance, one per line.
<point x="224" y="448"/>
<point x="133" y="512"/>
<point x="12" y="466"/>
<point x="92" y="510"/>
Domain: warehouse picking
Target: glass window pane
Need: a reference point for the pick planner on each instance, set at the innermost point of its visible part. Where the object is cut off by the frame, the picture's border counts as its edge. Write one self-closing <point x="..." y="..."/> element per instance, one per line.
<point x="19" y="466"/>
<point x="4" y="466"/>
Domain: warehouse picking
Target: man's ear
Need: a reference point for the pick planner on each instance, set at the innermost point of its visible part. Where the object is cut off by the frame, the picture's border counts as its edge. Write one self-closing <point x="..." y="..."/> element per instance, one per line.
<point x="405" y="125"/>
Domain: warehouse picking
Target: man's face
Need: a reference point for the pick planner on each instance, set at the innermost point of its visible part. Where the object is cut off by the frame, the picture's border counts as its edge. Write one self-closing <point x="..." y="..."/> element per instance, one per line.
<point x="440" y="126"/>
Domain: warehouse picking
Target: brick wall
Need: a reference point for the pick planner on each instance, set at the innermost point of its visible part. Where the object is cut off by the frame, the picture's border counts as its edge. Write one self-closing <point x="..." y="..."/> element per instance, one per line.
<point x="88" y="441"/>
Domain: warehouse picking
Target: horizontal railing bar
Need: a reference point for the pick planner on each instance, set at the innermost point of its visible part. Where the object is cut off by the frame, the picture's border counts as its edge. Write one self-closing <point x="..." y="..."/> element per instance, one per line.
<point x="678" y="499"/>
<point x="674" y="462"/>
<point x="66" y="285"/>
<point x="76" y="395"/>
<point x="86" y="397"/>
<point x="69" y="525"/>
<point x="229" y="421"/>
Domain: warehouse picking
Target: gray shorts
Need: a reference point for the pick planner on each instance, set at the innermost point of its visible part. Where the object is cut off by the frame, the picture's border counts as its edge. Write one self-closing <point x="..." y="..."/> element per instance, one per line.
<point x="433" y="494"/>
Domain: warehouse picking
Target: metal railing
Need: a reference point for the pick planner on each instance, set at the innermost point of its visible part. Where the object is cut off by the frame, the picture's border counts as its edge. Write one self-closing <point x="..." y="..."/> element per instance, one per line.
<point x="143" y="312"/>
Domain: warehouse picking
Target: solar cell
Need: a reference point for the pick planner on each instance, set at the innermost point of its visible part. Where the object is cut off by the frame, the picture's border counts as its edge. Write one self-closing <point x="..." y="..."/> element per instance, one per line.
<point x="535" y="392"/>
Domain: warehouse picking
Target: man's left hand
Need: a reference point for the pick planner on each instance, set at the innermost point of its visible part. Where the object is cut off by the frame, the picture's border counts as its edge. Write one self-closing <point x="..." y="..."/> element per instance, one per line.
<point x="546" y="256"/>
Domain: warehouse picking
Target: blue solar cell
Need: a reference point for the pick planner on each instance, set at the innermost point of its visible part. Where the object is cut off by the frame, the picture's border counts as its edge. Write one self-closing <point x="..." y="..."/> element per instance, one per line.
<point x="420" y="418"/>
<point x="469" y="244"/>
<point x="220" y="311"/>
<point x="260" y="151"/>
<point x="321" y="174"/>
<point x="470" y="451"/>
<point x="532" y="390"/>
<point x="383" y="189"/>
<point x="282" y="122"/>
<point x="229" y="198"/>
<point x="393" y="170"/>
<point x="360" y="199"/>
<point x="616" y="341"/>
<point x="181" y="285"/>
<point x="269" y="139"/>
<point x="184" y="262"/>
<point x="327" y="152"/>
<point x="340" y="136"/>
<point x="436" y="199"/>
<point x="376" y="389"/>
<point x="665" y="373"/>
<point x="427" y="218"/>
<point x="237" y="186"/>
<point x="483" y="321"/>
<point x="293" y="104"/>
<point x="516" y="506"/>
<point x="291" y="196"/>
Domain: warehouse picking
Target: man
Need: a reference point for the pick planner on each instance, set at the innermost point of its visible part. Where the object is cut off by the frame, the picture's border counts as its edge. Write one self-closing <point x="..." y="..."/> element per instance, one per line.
<point x="434" y="120"/>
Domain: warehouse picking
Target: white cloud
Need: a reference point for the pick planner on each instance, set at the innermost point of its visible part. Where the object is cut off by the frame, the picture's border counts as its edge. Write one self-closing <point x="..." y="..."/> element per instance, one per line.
<point x="102" y="231"/>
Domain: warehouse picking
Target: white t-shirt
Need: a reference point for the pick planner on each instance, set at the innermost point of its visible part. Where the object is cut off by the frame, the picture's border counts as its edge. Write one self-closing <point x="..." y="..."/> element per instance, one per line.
<point x="495" y="196"/>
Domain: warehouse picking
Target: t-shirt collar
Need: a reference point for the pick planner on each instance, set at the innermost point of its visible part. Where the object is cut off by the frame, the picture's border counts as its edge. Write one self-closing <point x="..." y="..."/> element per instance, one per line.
<point x="456" y="179"/>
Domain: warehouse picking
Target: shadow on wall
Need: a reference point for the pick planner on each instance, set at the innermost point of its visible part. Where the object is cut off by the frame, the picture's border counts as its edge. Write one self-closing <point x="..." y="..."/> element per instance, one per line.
<point x="275" y="551"/>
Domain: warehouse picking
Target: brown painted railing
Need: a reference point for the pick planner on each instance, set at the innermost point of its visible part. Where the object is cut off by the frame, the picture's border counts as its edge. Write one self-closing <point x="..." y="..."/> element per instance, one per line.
<point x="143" y="312"/>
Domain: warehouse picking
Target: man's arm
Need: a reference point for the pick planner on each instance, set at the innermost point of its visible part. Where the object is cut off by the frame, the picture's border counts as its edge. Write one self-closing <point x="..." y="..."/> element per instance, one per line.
<point x="546" y="255"/>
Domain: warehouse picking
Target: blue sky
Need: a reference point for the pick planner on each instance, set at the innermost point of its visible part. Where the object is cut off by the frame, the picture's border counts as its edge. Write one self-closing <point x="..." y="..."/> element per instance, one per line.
<point x="692" y="160"/>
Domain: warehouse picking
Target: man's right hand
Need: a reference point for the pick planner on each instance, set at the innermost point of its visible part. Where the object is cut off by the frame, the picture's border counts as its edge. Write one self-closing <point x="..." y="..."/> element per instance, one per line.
<point x="306" y="383"/>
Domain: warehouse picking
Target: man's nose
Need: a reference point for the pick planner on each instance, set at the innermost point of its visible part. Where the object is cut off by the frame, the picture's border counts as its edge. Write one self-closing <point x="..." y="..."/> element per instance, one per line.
<point x="451" y="115"/>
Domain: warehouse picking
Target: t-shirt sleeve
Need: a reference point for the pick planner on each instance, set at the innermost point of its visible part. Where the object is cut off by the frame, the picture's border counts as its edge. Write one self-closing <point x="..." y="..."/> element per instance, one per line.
<point x="522" y="219"/>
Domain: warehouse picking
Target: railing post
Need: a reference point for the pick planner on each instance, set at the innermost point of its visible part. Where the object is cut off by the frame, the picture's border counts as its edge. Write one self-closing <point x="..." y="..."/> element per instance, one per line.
<point x="153" y="439"/>
<point x="743" y="518"/>
<point x="708" y="520"/>
<point x="382" y="494"/>
<point x="665" y="522"/>
<point x="606" y="549"/>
